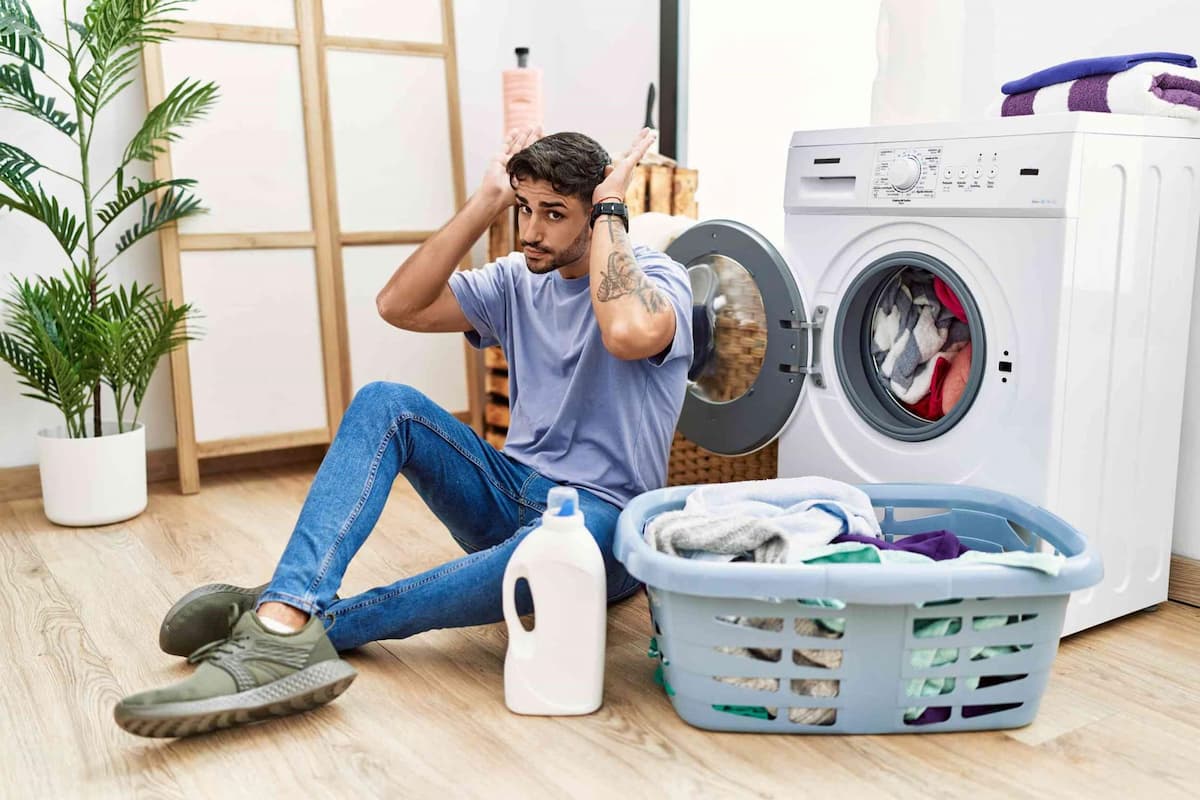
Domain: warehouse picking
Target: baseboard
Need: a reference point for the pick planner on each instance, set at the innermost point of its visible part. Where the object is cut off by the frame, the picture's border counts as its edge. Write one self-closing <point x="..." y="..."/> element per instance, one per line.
<point x="1184" y="584"/>
<point x="22" y="483"/>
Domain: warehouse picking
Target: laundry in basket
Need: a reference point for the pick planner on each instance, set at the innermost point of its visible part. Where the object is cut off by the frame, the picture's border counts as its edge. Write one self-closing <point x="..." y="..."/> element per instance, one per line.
<point x="900" y="647"/>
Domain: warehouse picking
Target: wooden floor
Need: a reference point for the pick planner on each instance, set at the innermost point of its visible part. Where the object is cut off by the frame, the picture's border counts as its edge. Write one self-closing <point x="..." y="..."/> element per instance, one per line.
<point x="79" y="614"/>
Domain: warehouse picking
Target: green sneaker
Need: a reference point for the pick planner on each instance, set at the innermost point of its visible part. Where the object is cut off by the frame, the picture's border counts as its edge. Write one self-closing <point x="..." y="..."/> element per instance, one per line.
<point x="202" y="616"/>
<point x="253" y="675"/>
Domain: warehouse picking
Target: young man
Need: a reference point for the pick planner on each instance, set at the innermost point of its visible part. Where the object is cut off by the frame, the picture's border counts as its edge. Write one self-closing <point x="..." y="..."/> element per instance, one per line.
<point x="598" y="338"/>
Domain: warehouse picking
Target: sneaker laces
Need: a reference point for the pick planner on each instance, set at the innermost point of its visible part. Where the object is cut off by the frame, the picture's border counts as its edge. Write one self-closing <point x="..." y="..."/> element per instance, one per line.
<point x="220" y="649"/>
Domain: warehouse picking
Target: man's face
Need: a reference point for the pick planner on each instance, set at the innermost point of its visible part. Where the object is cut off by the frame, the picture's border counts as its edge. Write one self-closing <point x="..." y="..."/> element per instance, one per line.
<point x="553" y="228"/>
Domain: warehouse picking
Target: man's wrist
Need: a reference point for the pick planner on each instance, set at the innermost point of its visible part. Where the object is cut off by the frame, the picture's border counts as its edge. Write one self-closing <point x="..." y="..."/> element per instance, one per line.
<point x="493" y="197"/>
<point x="607" y="208"/>
<point x="606" y="197"/>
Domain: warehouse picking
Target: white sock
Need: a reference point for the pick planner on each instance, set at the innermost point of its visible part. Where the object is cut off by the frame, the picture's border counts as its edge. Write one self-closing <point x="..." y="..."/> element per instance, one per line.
<point x="275" y="626"/>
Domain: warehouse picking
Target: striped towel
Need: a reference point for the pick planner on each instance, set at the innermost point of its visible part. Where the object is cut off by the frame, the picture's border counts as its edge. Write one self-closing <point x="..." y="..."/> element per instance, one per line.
<point x="1152" y="88"/>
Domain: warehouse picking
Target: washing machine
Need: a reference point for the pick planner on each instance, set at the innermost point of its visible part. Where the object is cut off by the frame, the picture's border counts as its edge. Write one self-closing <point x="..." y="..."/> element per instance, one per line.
<point x="1069" y="242"/>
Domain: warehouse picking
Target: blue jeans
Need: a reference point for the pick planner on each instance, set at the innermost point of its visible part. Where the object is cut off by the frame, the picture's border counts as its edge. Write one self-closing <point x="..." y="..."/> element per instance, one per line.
<point x="489" y="501"/>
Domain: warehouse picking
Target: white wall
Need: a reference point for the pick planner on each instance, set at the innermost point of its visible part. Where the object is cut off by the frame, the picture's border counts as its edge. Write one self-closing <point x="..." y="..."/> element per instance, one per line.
<point x="598" y="60"/>
<point x="756" y="73"/>
<point x="946" y="59"/>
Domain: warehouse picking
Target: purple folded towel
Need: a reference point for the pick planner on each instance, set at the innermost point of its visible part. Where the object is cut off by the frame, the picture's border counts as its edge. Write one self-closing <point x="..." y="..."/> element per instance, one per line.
<point x="1150" y="88"/>
<point x="1071" y="70"/>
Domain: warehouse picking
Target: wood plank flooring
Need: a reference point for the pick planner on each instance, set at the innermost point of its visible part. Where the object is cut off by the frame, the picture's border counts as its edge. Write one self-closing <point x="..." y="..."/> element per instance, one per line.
<point x="79" y="615"/>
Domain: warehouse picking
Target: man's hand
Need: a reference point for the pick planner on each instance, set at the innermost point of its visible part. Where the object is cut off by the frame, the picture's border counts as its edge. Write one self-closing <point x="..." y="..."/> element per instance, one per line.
<point x="495" y="178"/>
<point x="617" y="176"/>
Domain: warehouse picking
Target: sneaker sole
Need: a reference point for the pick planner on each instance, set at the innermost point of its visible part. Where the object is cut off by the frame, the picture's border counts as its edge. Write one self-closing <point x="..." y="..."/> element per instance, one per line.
<point x="181" y="632"/>
<point x="302" y="691"/>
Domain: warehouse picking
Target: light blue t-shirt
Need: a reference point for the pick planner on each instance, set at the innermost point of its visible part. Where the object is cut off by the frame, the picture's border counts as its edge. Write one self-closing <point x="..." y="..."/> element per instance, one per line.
<point x="578" y="414"/>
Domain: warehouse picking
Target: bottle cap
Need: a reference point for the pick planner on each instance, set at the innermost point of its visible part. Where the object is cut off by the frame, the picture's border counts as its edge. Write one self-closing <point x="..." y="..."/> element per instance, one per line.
<point x="562" y="501"/>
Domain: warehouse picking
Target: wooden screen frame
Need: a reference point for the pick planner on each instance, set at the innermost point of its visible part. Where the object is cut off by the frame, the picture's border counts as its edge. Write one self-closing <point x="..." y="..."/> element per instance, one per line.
<point x="325" y="239"/>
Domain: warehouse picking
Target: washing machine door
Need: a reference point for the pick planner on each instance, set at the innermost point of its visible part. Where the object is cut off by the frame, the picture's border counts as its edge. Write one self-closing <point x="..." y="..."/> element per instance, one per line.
<point x="751" y="334"/>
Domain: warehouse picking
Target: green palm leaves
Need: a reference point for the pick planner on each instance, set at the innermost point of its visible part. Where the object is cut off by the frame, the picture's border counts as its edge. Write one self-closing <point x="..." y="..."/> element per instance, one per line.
<point x="67" y="336"/>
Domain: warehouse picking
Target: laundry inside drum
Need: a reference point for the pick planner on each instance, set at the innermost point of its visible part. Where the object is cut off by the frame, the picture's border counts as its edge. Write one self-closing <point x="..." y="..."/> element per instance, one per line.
<point x="739" y="332"/>
<point x="920" y="344"/>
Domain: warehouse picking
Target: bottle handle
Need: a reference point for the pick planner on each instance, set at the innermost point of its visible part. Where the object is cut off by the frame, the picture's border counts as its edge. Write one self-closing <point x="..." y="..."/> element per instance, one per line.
<point x="516" y="631"/>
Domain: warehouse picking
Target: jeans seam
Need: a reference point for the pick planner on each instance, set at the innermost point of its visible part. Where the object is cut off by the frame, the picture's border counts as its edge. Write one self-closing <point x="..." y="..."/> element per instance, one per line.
<point x="368" y="485"/>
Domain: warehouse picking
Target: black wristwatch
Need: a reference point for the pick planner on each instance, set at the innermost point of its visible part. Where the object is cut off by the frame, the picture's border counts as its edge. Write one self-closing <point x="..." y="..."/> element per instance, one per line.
<point x="611" y="209"/>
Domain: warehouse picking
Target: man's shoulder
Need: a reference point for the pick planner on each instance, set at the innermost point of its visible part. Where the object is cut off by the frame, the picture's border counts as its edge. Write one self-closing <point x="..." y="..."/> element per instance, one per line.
<point x="512" y="262"/>
<point x="504" y="269"/>
<point x="648" y="256"/>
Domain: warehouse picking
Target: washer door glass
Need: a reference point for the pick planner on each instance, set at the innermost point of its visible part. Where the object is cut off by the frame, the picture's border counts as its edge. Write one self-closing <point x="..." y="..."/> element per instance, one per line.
<point x="751" y="349"/>
<point x="739" y="328"/>
<point x="910" y="346"/>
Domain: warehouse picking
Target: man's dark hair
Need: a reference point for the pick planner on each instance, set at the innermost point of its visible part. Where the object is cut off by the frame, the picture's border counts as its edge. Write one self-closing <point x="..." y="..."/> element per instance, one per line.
<point x="570" y="162"/>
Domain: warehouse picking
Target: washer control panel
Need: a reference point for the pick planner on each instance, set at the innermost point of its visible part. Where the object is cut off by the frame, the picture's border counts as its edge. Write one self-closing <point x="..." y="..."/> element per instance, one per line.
<point x="904" y="173"/>
<point x="1029" y="175"/>
<point x="972" y="171"/>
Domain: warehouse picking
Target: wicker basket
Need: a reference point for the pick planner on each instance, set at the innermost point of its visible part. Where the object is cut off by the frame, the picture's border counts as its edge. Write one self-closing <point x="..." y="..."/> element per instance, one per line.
<point x="690" y="463"/>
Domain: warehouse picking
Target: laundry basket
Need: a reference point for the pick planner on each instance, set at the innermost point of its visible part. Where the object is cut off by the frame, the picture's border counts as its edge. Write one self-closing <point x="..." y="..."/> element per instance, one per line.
<point x="846" y="648"/>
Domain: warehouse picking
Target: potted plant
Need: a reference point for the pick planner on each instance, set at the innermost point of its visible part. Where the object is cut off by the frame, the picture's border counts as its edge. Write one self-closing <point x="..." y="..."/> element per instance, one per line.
<point x="66" y="337"/>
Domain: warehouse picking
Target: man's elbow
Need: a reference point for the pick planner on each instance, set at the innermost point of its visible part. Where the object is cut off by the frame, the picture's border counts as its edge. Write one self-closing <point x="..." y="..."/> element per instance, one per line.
<point x="629" y="342"/>
<point x="392" y="312"/>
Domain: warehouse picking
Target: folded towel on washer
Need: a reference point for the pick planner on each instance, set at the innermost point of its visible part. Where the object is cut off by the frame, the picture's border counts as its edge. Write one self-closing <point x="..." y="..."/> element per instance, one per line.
<point x="1151" y="88"/>
<point x="770" y="521"/>
<point x="1084" y="67"/>
<point x="911" y="326"/>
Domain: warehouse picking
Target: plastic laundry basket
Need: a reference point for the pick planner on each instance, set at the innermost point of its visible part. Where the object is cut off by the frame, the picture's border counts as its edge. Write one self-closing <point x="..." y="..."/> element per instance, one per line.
<point x="845" y="648"/>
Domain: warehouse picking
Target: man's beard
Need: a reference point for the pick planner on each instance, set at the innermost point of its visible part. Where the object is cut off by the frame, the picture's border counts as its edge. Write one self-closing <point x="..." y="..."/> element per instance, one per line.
<point x="576" y="251"/>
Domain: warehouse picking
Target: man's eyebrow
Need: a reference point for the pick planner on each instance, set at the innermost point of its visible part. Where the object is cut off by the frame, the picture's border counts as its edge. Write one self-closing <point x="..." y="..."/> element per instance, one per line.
<point x="544" y="203"/>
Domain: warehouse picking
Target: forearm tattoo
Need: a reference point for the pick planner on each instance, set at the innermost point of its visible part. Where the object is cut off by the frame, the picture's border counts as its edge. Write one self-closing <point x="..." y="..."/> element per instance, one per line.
<point x="623" y="276"/>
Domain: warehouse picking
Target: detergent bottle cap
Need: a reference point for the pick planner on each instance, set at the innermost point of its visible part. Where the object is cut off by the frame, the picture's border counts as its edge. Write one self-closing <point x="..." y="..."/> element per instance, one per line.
<point x="562" y="501"/>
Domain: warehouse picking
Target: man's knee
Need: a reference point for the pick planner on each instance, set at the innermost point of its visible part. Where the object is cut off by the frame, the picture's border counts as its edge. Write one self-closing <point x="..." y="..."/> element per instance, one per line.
<point x="394" y="398"/>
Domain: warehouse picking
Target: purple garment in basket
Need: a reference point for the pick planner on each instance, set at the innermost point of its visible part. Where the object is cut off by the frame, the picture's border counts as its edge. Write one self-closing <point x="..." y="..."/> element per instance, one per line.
<point x="1084" y="67"/>
<point x="942" y="713"/>
<point x="938" y="545"/>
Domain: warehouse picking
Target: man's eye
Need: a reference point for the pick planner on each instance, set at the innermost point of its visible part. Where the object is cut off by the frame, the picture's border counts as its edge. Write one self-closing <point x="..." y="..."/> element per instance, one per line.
<point x="526" y="210"/>
<point x="555" y="216"/>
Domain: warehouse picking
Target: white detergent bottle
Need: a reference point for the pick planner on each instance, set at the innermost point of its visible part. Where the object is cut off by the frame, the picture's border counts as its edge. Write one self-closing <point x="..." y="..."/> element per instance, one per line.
<point x="558" y="667"/>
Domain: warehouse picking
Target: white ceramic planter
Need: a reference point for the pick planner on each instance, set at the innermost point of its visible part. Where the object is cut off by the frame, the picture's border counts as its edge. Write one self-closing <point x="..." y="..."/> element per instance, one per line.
<point x="95" y="480"/>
